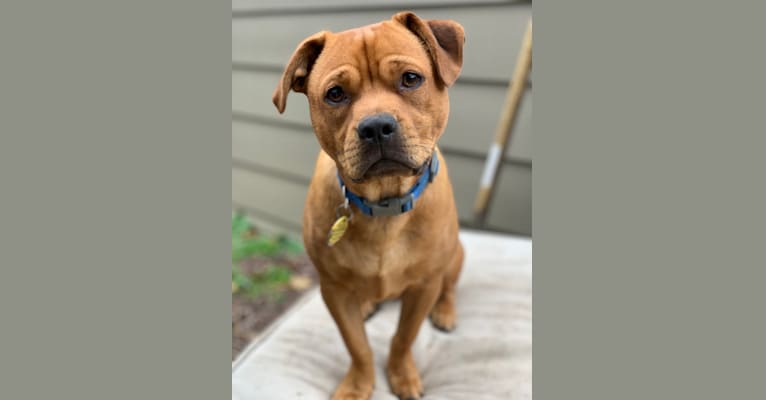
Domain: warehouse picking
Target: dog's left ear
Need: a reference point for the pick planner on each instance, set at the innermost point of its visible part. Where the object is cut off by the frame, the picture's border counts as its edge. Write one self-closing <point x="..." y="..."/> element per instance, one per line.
<point x="443" y="39"/>
<point x="297" y="71"/>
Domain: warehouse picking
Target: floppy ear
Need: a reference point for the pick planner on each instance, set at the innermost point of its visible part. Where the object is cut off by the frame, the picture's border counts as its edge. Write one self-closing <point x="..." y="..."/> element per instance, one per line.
<point x="443" y="39"/>
<point x="298" y="68"/>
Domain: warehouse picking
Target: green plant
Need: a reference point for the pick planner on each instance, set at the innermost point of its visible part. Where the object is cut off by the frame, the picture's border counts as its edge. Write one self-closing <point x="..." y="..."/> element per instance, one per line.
<point x="245" y="243"/>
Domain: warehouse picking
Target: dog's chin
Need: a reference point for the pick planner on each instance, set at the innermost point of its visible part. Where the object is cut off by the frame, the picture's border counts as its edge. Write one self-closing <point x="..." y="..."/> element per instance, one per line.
<point x="390" y="168"/>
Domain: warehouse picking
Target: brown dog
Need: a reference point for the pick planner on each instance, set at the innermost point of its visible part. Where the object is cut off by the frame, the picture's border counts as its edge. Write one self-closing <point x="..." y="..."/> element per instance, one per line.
<point x="378" y="101"/>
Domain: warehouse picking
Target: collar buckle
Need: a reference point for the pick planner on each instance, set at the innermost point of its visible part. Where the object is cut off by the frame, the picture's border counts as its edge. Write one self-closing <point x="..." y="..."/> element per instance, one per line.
<point x="390" y="207"/>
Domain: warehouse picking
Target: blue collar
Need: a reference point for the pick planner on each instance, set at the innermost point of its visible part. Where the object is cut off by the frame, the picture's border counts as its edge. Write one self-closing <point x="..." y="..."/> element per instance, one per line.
<point x="394" y="205"/>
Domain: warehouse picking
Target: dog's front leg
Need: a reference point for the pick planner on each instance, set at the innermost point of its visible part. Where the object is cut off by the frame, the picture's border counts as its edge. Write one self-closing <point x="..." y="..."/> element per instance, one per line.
<point x="346" y="310"/>
<point x="402" y="374"/>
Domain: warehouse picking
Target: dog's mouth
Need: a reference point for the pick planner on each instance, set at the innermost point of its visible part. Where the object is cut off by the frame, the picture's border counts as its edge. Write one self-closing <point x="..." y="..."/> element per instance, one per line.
<point x="392" y="167"/>
<point x="394" y="159"/>
<point x="386" y="166"/>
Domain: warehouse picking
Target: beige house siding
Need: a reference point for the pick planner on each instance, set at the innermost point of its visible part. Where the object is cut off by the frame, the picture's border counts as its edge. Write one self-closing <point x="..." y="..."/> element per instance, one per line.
<point x="273" y="155"/>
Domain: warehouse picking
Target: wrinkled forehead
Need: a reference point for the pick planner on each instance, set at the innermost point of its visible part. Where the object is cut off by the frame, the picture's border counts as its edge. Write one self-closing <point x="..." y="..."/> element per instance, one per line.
<point x="371" y="46"/>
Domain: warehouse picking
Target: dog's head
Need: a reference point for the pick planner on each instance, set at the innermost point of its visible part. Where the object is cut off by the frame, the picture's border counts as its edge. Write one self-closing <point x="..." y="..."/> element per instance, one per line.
<point x="377" y="94"/>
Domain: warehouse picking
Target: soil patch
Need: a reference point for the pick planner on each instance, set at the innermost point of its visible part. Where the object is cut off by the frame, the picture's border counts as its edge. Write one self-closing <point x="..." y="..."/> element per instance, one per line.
<point x="250" y="314"/>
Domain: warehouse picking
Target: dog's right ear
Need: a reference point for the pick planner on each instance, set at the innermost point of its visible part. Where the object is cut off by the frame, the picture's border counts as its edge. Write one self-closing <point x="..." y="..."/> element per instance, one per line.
<point x="298" y="68"/>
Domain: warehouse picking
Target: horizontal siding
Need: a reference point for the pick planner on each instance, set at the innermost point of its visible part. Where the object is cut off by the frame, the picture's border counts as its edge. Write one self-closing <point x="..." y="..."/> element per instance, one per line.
<point x="511" y="208"/>
<point x="267" y="226"/>
<point x="273" y="155"/>
<point x="277" y="200"/>
<point x="275" y="6"/>
<point x="260" y="153"/>
<point x="474" y="112"/>
<point x="293" y="151"/>
<point x="270" y="40"/>
<point x="276" y="148"/>
<point x="280" y="203"/>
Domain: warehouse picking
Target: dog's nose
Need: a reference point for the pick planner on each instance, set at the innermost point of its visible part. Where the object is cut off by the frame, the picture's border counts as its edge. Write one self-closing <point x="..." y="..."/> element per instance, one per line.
<point x="377" y="128"/>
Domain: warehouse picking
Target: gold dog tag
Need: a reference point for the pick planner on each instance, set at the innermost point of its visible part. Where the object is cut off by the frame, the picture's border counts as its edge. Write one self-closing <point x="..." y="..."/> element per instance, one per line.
<point x="337" y="230"/>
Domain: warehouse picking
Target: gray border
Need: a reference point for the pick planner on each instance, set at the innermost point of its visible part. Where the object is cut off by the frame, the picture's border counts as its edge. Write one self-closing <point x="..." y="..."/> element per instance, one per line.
<point x="648" y="200"/>
<point x="115" y="177"/>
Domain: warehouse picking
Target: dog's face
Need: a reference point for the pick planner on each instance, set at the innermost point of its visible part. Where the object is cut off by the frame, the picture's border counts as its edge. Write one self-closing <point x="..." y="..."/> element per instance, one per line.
<point x="377" y="94"/>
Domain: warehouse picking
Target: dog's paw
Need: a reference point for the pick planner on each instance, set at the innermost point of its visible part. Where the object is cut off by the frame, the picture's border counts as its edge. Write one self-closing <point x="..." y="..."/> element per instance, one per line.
<point x="404" y="379"/>
<point x="355" y="386"/>
<point x="443" y="316"/>
<point x="351" y="394"/>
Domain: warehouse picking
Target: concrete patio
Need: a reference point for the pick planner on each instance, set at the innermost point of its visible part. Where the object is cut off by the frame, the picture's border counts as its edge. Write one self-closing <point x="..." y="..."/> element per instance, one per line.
<point x="488" y="356"/>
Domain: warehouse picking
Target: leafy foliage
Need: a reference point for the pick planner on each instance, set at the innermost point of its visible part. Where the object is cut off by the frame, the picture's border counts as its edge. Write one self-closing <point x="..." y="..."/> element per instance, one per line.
<point x="246" y="243"/>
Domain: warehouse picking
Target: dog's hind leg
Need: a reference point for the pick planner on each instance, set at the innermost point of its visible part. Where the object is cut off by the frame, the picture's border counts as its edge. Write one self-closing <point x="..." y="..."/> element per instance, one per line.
<point x="443" y="315"/>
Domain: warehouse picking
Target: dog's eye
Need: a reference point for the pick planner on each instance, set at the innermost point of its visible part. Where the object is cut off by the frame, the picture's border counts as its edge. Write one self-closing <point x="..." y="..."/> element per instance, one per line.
<point x="335" y="95"/>
<point x="411" y="80"/>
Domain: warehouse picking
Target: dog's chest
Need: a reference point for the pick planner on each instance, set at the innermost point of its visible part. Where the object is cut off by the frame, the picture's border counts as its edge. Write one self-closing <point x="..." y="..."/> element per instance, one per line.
<point x="382" y="269"/>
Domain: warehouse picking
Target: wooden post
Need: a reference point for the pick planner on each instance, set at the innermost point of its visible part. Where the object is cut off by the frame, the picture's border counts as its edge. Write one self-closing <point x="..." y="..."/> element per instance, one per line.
<point x="504" y="128"/>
